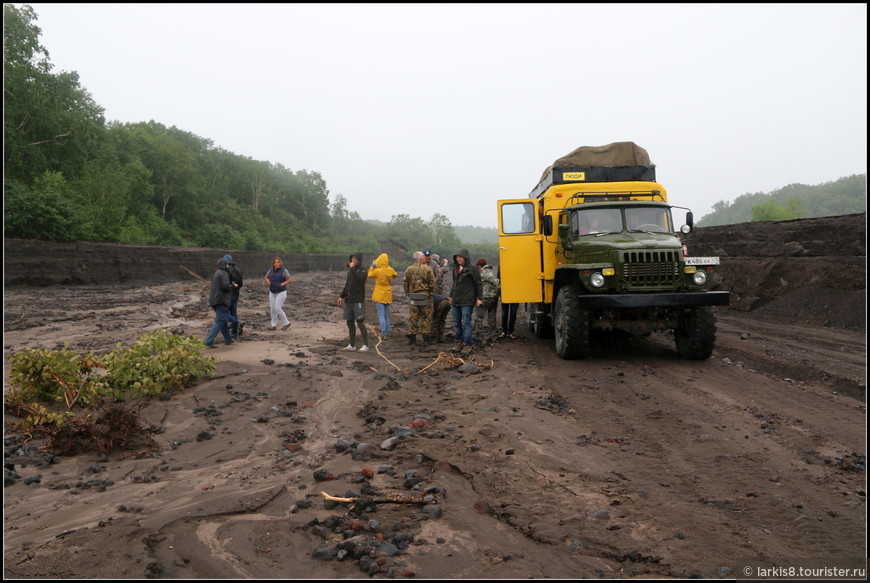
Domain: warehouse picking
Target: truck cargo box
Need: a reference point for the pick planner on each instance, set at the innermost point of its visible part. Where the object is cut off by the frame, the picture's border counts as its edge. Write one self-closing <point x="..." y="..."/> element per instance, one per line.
<point x="616" y="162"/>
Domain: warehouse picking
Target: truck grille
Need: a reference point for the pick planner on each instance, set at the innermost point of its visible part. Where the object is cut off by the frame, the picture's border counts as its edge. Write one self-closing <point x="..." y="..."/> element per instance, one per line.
<point x="651" y="268"/>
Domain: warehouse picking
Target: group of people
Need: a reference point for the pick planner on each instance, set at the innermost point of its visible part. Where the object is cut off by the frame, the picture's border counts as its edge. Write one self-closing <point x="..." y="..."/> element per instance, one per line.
<point x="226" y="284"/>
<point x="435" y="287"/>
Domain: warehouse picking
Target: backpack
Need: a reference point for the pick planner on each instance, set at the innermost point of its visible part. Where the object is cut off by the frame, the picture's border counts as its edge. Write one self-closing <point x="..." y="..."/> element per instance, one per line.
<point x="236" y="275"/>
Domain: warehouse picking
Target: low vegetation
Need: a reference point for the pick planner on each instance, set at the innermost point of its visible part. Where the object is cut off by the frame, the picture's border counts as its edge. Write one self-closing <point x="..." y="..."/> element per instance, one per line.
<point x="61" y="393"/>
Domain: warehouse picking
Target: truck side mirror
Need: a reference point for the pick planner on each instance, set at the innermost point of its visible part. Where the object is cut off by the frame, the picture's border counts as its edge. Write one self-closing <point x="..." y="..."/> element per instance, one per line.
<point x="547" y="225"/>
<point x="690" y="219"/>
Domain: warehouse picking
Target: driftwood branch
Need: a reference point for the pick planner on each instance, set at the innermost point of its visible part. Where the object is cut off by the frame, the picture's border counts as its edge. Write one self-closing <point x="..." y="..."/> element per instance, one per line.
<point x="194" y="274"/>
<point x="395" y="499"/>
<point x="378" y="350"/>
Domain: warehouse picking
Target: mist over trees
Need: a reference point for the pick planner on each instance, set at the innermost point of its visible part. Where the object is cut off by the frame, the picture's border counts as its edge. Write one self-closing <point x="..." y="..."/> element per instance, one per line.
<point x="845" y="196"/>
<point x="69" y="174"/>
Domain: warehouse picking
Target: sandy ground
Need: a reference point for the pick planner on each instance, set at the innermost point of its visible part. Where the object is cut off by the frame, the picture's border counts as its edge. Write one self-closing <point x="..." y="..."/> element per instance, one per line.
<point x="631" y="463"/>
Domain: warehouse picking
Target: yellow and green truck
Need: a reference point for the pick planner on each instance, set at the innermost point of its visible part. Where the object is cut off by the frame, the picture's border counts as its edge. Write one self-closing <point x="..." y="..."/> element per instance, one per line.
<point x="594" y="247"/>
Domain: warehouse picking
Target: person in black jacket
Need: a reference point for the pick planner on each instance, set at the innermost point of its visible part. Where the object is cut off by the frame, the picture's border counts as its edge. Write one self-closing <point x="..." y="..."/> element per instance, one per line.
<point x="220" y="299"/>
<point x="353" y="297"/>
<point x="238" y="281"/>
<point x="467" y="293"/>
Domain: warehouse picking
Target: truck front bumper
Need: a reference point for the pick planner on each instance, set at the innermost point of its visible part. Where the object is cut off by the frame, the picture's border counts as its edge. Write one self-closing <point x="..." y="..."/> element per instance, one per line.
<point x="669" y="300"/>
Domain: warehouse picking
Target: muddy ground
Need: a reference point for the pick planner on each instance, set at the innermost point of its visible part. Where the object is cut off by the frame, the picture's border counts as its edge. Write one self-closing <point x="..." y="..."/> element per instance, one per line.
<point x="631" y="463"/>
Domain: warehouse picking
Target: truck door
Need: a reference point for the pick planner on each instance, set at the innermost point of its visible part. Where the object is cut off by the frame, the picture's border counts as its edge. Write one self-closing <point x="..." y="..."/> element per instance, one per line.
<point x="519" y="251"/>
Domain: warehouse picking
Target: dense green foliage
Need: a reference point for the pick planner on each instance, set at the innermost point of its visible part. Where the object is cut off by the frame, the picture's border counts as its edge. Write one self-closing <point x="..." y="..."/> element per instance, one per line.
<point x="845" y="196"/>
<point x="70" y="175"/>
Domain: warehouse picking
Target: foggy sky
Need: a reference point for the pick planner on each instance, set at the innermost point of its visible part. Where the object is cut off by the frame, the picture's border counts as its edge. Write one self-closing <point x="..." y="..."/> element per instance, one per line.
<point x="445" y="108"/>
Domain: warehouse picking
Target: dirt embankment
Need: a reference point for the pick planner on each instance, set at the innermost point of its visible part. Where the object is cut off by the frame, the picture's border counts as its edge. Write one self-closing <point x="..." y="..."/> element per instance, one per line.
<point x="30" y="262"/>
<point x="809" y="268"/>
<point x="811" y="271"/>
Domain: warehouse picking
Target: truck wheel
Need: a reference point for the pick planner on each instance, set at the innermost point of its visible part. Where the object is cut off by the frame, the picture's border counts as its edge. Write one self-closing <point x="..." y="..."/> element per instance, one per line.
<point x="571" y="325"/>
<point x="696" y="333"/>
<point x="539" y="321"/>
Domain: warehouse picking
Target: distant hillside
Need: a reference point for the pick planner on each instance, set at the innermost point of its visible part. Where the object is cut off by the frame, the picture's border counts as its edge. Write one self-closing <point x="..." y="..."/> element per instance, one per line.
<point x="845" y="196"/>
<point x="469" y="234"/>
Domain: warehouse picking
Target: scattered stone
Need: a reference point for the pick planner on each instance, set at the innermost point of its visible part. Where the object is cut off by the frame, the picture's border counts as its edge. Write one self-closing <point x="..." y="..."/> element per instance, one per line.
<point x="362" y="451"/>
<point x="390" y="442"/>
<point x="322" y="475"/>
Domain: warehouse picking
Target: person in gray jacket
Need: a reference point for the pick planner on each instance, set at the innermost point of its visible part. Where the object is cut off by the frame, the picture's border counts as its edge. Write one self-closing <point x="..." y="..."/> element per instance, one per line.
<point x="220" y="299"/>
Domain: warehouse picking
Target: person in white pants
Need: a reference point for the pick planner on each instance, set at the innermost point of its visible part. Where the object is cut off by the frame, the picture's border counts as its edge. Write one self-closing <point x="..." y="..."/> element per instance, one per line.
<point x="277" y="278"/>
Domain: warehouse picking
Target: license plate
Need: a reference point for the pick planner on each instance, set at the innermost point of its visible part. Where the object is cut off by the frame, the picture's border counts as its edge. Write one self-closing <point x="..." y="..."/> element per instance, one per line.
<point x="702" y="261"/>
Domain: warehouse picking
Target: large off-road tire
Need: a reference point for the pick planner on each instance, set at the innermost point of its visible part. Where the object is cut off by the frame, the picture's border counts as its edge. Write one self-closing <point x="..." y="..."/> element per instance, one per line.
<point x="696" y="333"/>
<point x="539" y="321"/>
<point x="571" y="325"/>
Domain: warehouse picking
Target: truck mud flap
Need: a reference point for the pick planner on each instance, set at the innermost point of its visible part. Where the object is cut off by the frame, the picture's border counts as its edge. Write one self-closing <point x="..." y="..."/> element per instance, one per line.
<point x="672" y="300"/>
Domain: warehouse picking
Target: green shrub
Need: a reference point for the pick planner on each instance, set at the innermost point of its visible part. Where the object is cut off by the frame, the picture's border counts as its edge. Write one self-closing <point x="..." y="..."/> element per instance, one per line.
<point x="39" y="374"/>
<point x="158" y="362"/>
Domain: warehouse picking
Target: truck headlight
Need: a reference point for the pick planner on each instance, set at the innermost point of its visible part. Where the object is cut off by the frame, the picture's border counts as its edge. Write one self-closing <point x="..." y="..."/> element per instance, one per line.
<point x="596" y="279"/>
<point x="699" y="277"/>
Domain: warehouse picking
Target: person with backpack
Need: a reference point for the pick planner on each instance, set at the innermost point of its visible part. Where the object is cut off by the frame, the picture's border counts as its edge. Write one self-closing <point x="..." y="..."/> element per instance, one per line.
<point x="238" y="280"/>
<point x="220" y="298"/>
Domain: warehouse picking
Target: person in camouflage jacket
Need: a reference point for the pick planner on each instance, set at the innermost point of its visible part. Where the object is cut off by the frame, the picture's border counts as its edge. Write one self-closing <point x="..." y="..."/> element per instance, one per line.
<point x="419" y="279"/>
<point x="485" y="330"/>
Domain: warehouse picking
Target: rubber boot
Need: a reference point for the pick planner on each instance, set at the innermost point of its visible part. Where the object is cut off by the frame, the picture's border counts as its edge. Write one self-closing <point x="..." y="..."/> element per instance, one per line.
<point x="427" y="340"/>
<point x="412" y="339"/>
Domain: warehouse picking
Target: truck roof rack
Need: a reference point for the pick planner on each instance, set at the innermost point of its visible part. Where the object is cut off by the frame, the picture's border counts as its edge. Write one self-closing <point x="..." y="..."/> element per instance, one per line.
<point x="581" y="174"/>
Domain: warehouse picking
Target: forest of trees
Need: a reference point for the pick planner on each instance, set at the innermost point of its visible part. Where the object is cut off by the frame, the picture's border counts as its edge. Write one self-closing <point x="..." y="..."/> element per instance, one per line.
<point x="845" y="196"/>
<point x="69" y="174"/>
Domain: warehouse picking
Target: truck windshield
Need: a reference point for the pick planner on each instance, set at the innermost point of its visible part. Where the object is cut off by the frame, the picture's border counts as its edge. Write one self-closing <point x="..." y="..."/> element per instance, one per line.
<point x="648" y="219"/>
<point x="596" y="222"/>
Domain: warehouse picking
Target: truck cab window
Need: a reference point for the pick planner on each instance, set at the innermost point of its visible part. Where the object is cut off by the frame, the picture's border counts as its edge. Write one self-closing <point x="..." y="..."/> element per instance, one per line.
<point x="517" y="219"/>
<point x="651" y="220"/>
<point x="596" y="222"/>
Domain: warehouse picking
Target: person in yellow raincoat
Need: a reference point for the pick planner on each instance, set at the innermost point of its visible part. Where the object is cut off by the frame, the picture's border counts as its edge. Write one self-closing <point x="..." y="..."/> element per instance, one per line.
<point x="382" y="295"/>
